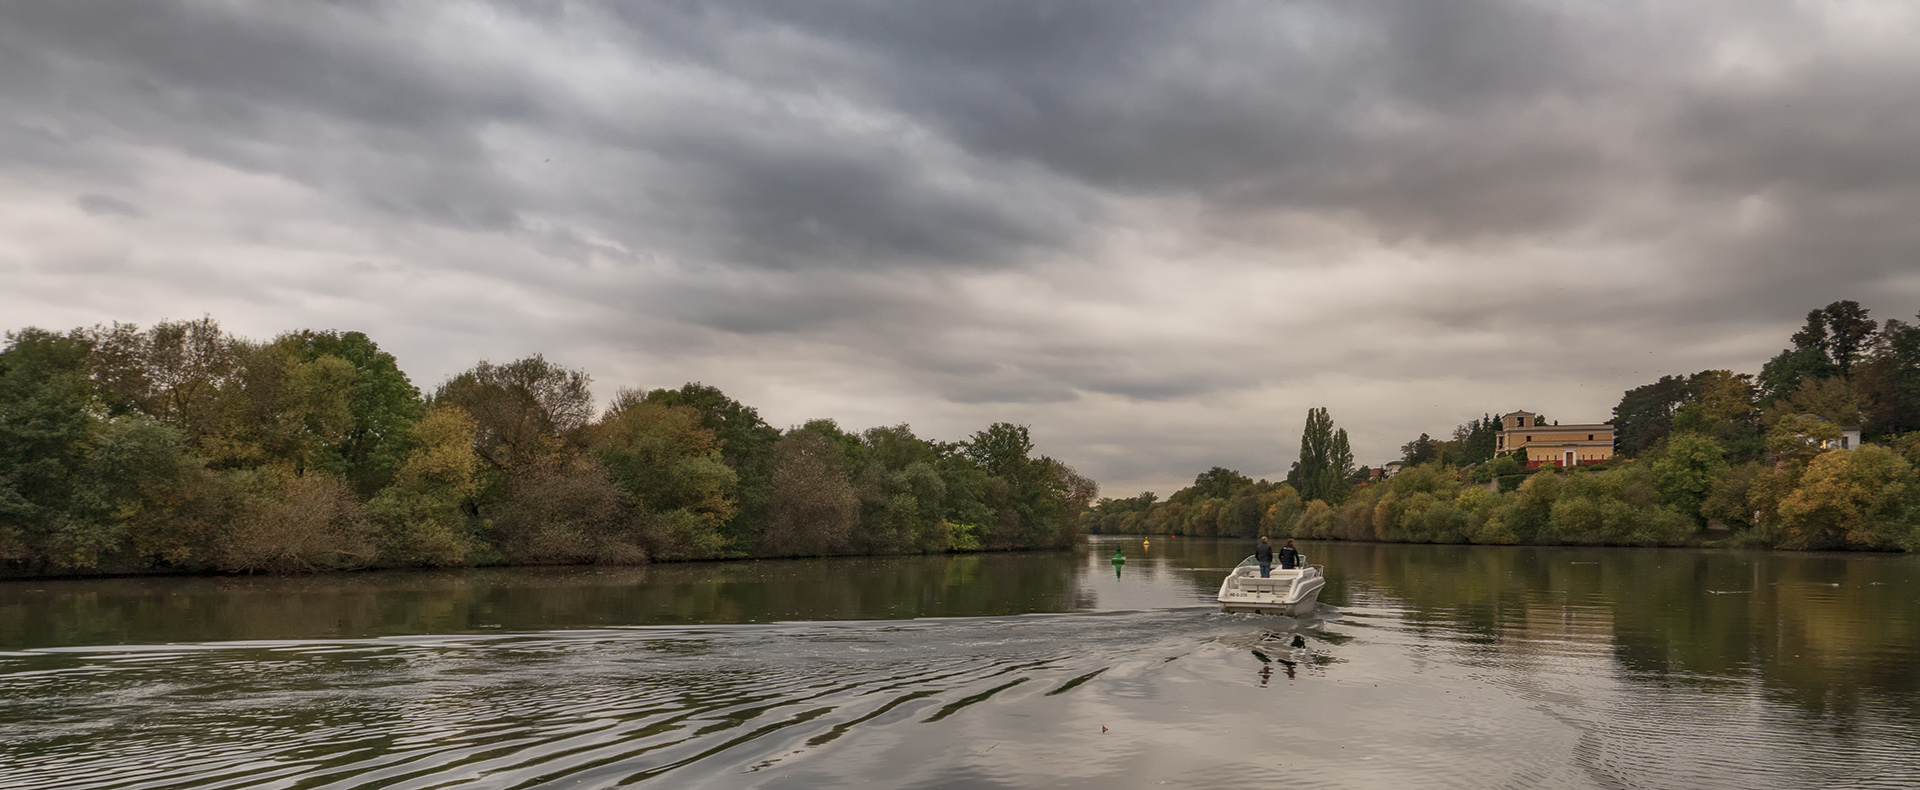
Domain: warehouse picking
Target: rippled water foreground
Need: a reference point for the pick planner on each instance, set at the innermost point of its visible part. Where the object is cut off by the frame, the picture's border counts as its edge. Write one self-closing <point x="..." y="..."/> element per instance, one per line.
<point x="1426" y="666"/>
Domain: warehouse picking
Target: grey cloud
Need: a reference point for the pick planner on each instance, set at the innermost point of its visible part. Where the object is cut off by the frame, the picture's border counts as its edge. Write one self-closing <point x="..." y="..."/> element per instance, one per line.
<point x="747" y="191"/>
<point x="342" y="99"/>
<point x="848" y="201"/>
<point x="108" y="206"/>
<point x="782" y="305"/>
<point x="1330" y="107"/>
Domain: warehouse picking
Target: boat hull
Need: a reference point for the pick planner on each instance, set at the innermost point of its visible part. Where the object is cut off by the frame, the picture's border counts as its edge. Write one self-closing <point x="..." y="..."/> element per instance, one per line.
<point x="1295" y="609"/>
<point x="1290" y="592"/>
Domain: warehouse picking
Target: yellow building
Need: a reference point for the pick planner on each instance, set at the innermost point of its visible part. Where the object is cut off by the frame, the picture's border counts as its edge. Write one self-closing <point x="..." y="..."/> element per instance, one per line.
<point x="1553" y="445"/>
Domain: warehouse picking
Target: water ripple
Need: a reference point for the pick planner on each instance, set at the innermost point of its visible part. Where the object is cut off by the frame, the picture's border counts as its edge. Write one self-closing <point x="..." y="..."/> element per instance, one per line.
<point x="1376" y="693"/>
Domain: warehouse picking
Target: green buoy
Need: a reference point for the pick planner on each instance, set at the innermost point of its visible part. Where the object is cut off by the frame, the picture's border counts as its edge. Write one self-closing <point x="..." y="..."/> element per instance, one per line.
<point x="1119" y="559"/>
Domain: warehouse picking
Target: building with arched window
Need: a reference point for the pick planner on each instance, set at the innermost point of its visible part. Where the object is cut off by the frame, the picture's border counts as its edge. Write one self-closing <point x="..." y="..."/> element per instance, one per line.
<point x="1553" y="445"/>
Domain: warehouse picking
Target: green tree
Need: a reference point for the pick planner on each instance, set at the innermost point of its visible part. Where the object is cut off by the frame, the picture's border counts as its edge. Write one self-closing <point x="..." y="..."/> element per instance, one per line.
<point x="1419" y="451"/>
<point x="1004" y="451"/>
<point x="1069" y="494"/>
<point x="46" y="421"/>
<point x="673" y="475"/>
<point x="544" y="497"/>
<point x="524" y="411"/>
<point x="1474" y="441"/>
<point x="381" y="404"/>
<point x="1326" y="459"/>
<point x="1723" y="395"/>
<point x="1721" y="405"/>
<point x="1731" y="501"/>
<point x="746" y="445"/>
<point x="1220" y="482"/>
<point x="852" y="450"/>
<point x="287" y="409"/>
<point x="172" y="372"/>
<point x="421" y="518"/>
<point x="1685" y="470"/>
<point x="1645" y="414"/>
<point x="79" y="493"/>
<point x="146" y="483"/>
<point x="969" y="516"/>
<point x="1795" y="439"/>
<point x="1112" y="516"/>
<point x="1037" y="501"/>
<point x="1830" y="343"/>
<point x="1890" y="380"/>
<point x="1717" y="403"/>
<point x="1835" y="400"/>
<point x="902" y="495"/>
<point x="1784" y="373"/>
<point x="1840" y="331"/>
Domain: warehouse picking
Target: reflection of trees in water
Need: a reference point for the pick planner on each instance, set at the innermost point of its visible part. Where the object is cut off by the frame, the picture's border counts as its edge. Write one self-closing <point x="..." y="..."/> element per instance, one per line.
<point x="149" y="610"/>
<point x="1780" y="620"/>
<point x="1825" y="632"/>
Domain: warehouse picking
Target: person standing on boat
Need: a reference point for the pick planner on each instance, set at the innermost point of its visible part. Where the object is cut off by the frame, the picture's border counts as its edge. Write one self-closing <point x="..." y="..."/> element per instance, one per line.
<point x="1264" y="554"/>
<point x="1289" y="556"/>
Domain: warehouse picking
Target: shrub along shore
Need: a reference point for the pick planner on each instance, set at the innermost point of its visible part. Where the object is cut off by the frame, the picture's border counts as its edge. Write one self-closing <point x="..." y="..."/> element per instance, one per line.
<point x="1712" y="457"/>
<point x="182" y="448"/>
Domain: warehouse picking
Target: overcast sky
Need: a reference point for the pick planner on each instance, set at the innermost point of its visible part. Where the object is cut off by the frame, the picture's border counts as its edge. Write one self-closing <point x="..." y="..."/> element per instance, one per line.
<point x="1155" y="233"/>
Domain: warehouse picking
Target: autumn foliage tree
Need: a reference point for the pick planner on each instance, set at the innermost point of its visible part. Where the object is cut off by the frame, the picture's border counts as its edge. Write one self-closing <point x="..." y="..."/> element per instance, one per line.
<point x="670" y="468"/>
<point x="814" y="508"/>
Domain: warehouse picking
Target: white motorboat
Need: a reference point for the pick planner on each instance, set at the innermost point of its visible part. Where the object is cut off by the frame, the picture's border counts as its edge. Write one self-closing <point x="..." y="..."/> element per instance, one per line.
<point x="1289" y="591"/>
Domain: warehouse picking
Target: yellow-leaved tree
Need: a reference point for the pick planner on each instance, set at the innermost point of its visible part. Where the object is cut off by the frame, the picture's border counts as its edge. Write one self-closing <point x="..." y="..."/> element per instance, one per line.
<point x="680" y="490"/>
<point x="1860" y="498"/>
<point x="421" y="518"/>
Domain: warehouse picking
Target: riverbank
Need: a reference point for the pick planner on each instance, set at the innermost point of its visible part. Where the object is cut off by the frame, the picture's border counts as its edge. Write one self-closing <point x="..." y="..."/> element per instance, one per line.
<point x="178" y="573"/>
<point x="1711" y="538"/>
<point x="1864" y="499"/>
<point x="182" y="448"/>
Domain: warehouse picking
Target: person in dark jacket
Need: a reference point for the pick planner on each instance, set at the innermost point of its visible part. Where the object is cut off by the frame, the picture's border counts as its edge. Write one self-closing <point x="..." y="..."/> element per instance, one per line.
<point x="1263" y="553"/>
<point x="1289" y="556"/>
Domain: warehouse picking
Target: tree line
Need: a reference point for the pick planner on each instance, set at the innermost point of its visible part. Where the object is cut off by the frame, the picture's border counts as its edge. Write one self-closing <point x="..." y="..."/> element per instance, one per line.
<point x="1747" y="459"/>
<point x="182" y="447"/>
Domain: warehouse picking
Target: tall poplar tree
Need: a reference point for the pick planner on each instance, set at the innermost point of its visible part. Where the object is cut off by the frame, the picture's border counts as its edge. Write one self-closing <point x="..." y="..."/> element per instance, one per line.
<point x="1326" y="460"/>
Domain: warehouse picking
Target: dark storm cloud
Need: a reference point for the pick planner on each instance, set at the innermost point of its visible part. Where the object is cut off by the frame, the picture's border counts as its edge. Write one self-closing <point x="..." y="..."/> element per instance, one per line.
<point x="1176" y="219"/>
<point x="350" y="100"/>
<point x="1382" y="109"/>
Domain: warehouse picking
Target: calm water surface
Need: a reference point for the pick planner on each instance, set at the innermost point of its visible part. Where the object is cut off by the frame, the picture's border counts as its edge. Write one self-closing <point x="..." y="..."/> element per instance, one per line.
<point x="1426" y="666"/>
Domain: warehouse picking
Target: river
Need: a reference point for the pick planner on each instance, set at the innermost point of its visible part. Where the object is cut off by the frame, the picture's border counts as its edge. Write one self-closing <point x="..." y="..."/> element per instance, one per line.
<point x="1425" y="666"/>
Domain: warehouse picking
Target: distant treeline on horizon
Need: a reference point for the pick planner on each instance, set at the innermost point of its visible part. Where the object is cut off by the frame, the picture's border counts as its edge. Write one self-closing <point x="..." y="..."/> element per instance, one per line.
<point x="1715" y="456"/>
<point x="184" y="448"/>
